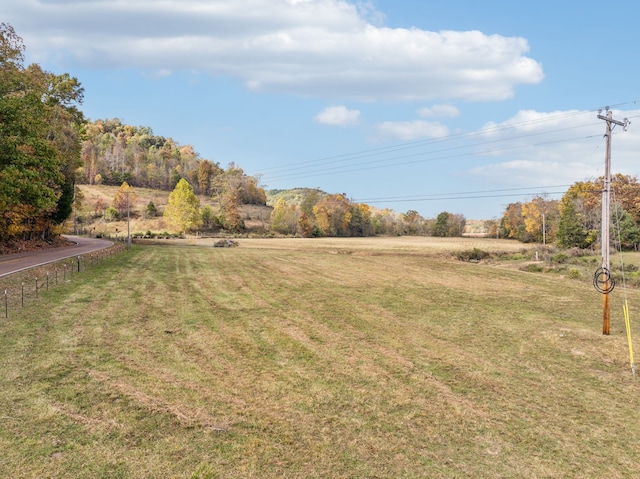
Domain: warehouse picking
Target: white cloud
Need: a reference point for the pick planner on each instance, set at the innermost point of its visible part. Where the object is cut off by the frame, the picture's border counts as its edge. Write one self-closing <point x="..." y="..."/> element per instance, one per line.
<point x="530" y="172"/>
<point x="531" y="121"/>
<point x="327" y="48"/>
<point x="338" y="116"/>
<point x="411" y="130"/>
<point x="439" y="111"/>
<point x="553" y="148"/>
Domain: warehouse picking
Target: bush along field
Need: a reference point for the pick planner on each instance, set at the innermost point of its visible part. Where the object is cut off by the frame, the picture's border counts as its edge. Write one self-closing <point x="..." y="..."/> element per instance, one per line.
<point x="288" y="358"/>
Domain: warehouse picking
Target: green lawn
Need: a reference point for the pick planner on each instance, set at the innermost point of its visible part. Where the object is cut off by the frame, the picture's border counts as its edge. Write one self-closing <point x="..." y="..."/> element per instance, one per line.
<point x="303" y="362"/>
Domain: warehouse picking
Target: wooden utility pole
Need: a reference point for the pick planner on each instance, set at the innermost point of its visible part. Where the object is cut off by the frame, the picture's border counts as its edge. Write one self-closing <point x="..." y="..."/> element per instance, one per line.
<point x="606" y="212"/>
<point x="128" y="220"/>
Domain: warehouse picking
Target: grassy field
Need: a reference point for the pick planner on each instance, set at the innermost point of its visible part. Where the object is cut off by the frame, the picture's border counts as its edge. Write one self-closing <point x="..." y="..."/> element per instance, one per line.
<point x="378" y="358"/>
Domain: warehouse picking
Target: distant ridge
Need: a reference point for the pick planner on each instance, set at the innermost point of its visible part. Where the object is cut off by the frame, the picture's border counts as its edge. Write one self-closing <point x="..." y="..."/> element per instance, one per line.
<point x="293" y="196"/>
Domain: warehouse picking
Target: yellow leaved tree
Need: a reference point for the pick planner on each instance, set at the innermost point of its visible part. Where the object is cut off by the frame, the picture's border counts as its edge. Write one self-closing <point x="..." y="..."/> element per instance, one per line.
<point x="124" y="198"/>
<point x="183" y="208"/>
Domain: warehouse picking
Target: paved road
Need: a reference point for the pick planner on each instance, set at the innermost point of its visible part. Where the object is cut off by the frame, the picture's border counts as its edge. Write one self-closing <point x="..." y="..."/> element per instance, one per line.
<point x="12" y="263"/>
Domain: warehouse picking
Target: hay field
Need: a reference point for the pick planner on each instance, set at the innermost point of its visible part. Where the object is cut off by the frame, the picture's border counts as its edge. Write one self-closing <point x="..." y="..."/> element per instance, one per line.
<point x="417" y="245"/>
<point x="266" y="361"/>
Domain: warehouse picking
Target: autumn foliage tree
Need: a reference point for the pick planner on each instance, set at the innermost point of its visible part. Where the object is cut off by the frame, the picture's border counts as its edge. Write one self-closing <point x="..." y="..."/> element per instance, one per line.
<point x="39" y="144"/>
<point x="333" y="215"/>
<point x="413" y="222"/>
<point x="448" y="224"/>
<point x="575" y="220"/>
<point x="512" y="223"/>
<point x="361" y="222"/>
<point x="124" y="198"/>
<point x="581" y="212"/>
<point x="313" y="213"/>
<point x="540" y="220"/>
<point x="183" y="208"/>
<point x="282" y="216"/>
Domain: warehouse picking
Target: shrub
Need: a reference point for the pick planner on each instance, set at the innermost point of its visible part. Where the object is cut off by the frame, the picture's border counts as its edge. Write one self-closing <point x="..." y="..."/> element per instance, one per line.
<point x="628" y="268"/>
<point x="513" y="256"/>
<point x="590" y="260"/>
<point x="560" y="258"/>
<point x="633" y="280"/>
<point x="472" y="255"/>
<point x="574" y="273"/>
<point x="225" y="243"/>
<point x="111" y="214"/>
<point x="532" y="268"/>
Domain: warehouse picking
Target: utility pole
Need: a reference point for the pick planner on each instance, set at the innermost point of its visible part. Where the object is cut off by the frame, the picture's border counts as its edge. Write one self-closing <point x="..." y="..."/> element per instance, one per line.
<point x="607" y="282"/>
<point x="128" y="221"/>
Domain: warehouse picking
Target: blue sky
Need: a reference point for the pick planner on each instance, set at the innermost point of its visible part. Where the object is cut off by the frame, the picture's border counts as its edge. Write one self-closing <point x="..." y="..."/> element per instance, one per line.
<point x="463" y="106"/>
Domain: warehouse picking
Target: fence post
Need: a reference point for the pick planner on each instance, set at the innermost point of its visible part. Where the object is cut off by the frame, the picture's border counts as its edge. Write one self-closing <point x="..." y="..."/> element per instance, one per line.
<point x="6" y="305"/>
<point x="36" y="286"/>
<point x="22" y="300"/>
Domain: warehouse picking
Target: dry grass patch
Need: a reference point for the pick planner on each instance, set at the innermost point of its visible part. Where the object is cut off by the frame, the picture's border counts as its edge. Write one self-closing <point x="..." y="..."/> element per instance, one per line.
<point x="375" y="245"/>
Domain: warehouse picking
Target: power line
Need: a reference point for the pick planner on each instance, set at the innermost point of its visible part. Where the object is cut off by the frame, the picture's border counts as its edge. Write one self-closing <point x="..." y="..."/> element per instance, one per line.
<point x="367" y="165"/>
<point x="466" y="194"/>
<point x="466" y="197"/>
<point x="495" y="193"/>
<point x="407" y="145"/>
<point x="401" y="155"/>
<point x="426" y="142"/>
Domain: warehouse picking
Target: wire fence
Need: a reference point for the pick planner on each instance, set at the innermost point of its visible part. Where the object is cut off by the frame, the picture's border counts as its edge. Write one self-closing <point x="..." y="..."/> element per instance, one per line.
<point x="18" y="289"/>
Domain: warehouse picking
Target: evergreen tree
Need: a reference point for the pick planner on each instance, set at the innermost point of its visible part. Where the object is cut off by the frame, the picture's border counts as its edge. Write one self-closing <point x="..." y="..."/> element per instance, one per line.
<point x="152" y="211"/>
<point x="571" y="232"/>
<point x="627" y="231"/>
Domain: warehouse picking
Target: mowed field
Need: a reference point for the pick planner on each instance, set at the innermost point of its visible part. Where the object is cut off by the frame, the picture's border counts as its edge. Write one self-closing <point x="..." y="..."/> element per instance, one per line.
<point x="373" y="358"/>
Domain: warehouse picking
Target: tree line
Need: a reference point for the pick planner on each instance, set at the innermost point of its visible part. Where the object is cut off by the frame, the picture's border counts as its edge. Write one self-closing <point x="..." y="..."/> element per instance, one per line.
<point x="574" y="221"/>
<point x="313" y="213"/>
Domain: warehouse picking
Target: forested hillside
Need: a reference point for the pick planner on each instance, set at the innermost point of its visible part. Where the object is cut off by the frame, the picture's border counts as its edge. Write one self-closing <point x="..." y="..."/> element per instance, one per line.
<point x="114" y="153"/>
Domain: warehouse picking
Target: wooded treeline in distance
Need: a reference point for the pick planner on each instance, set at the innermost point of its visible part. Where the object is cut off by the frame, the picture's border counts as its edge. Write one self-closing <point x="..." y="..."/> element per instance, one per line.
<point x="47" y="147"/>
